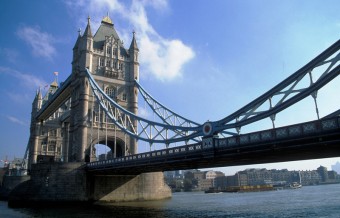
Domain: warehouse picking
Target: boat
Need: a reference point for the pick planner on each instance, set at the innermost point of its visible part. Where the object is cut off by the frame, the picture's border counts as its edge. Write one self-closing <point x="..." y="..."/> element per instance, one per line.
<point x="295" y="185"/>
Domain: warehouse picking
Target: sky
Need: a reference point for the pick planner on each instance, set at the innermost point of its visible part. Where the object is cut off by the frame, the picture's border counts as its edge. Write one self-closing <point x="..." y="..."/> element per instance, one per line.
<point x="203" y="59"/>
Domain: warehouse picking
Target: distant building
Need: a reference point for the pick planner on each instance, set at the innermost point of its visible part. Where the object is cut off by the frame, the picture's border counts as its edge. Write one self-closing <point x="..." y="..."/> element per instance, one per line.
<point x="198" y="175"/>
<point x="257" y="176"/>
<point x="223" y="182"/>
<point x="178" y="174"/>
<point x="336" y="167"/>
<point x="310" y="177"/>
<point x="212" y="174"/>
<point x="332" y="176"/>
<point x="323" y="173"/>
<point x="197" y="180"/>
<point x="205" y="184"/>
<point x="252" y="177"/>
<point x="17" y="167"/>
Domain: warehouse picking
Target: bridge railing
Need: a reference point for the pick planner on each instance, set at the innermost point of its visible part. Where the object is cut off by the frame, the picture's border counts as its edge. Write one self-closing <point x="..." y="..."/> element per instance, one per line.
<point x="212" y="143"/>
<point x="281" y="133"/>
<point x="179" y="150"/>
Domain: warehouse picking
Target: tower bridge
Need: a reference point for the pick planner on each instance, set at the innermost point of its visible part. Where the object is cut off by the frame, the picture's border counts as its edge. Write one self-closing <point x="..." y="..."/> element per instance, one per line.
<point x="98" y="104"/>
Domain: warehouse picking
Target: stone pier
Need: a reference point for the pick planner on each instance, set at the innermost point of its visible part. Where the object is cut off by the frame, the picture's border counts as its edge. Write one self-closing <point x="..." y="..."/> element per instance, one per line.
<point x="60" y="183"/>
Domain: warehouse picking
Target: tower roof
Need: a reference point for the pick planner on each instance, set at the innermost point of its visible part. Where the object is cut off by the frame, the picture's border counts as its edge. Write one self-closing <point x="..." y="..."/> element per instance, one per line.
<point x="88" y="31"/>
<point x="133" y="42"/>
<point x="78" y="39"/>
<point x="105" y="29"/>
<point x="107" y="20"/>
<point x="54" y="84"/>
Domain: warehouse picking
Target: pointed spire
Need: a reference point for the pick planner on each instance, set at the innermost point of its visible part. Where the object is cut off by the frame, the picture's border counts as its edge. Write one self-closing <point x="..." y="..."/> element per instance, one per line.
<point x="78" y="39"/>
<point x="37" y="102"/>
<point x="133" y="45"/>
<point x="87" y="31"/>
<point x="36" y="94"/>
<point x="39" y="95"/>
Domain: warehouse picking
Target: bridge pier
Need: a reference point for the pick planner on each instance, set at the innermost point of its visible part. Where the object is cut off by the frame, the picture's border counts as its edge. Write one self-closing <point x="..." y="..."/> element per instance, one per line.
<point x="119" y="188"/>
<point x="65" y="183"/>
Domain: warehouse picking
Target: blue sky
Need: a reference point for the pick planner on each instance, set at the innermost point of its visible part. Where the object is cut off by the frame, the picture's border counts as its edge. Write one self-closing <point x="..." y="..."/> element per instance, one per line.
<point x="203" y="59"/>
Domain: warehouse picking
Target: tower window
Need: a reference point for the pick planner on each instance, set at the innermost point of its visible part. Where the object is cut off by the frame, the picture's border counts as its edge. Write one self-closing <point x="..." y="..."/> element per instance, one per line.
<point x="110" y="92"/>
<point x="44" y="146"/>
<point x="124" y="97"/>
<point x="51" y="145"/>
<point x="108" y="63"/>
<point x="108" y="49"/>
<point x="101" y="62"/>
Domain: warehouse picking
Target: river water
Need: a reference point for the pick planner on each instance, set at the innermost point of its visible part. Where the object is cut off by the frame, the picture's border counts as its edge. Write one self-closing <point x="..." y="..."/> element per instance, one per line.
<point x="309" y="201"/>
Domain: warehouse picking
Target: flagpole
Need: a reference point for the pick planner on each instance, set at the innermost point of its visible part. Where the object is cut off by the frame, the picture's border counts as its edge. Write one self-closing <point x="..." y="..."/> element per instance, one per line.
<point x="56" y="76"/>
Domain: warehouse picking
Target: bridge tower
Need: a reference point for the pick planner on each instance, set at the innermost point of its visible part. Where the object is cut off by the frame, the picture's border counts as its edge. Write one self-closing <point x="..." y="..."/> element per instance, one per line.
<point x="34" y="129"/>
<point x="114" y="68"/>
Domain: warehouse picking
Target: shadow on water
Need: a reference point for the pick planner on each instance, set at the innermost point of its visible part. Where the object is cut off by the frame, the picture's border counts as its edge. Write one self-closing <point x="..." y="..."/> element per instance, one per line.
<point x="126" y="209"/>
<point x="312" y="201"/>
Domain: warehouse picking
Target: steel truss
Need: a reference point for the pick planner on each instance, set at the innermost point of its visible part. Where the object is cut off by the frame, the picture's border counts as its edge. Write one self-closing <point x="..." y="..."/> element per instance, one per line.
<point x="175" y="128"/>
<point x="165" y="114"/>
<point x="149" y="131"/>
<point x="288" y="92"/>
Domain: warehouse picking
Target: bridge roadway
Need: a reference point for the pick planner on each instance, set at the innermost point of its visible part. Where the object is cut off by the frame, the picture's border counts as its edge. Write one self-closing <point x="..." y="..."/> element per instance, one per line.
<point x="310" y="140"/>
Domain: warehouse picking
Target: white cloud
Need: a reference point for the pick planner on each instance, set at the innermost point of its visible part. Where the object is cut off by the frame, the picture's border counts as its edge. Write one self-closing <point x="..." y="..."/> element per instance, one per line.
<point x="9" y="54"/>
<point x="143" y="113"/>
<point x="28" y="80"/>
<point x="164" y="58"/>
<point x="16" y="120"/>
<point x="40" y="42"/>
<point x="160" y="56"/>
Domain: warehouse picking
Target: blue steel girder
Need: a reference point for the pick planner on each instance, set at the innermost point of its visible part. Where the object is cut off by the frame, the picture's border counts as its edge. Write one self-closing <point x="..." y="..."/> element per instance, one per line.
<point x="286" y="91"/>
<point x="167" y="115"/>
<point x="175" y="128"/>
<point x="150" y="131"/>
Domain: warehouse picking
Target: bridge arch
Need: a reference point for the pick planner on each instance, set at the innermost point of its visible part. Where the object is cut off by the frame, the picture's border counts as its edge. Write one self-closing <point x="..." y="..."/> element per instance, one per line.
<point x="107" y="147"/>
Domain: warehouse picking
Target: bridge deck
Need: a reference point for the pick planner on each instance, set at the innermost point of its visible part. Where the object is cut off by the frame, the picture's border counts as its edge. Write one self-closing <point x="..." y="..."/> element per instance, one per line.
<point x="316" y="139"/>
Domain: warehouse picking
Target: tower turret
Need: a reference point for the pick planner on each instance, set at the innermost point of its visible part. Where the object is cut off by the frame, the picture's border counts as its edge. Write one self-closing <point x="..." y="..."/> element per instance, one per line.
<point x="86" y="47"/>
<point x="134" y="75"/>
<point x="37" y="102"/>
<point x="75" y="61"/>
<point x="34" y="129"/>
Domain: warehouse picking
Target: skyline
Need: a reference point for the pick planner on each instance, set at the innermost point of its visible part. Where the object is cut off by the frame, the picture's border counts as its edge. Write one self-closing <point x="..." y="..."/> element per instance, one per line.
<point x="223" y="54"/>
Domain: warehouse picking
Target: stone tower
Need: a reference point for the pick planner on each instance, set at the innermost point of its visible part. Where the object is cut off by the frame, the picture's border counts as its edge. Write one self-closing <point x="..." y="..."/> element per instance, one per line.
<point x="114" y="68"/>
<point x="45" y="136"/>
<point x="69" y="133"/>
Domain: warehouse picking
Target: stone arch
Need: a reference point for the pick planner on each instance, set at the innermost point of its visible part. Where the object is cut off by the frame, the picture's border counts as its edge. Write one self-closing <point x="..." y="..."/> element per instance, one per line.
<point x="120" y="146"/>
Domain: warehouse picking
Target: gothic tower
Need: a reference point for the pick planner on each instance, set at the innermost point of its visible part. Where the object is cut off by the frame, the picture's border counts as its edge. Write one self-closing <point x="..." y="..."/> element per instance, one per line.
<point x="114" y="68"/>
<point x="34" y="129"/>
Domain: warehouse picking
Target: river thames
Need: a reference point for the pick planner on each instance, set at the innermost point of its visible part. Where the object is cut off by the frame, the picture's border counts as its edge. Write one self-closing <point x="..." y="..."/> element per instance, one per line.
<point x="308" y="201"/>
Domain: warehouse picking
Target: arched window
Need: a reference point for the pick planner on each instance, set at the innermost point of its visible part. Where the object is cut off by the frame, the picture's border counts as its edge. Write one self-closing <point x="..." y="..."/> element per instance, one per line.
<point x="108" y="49"/>
<point x="110" y="91"/>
